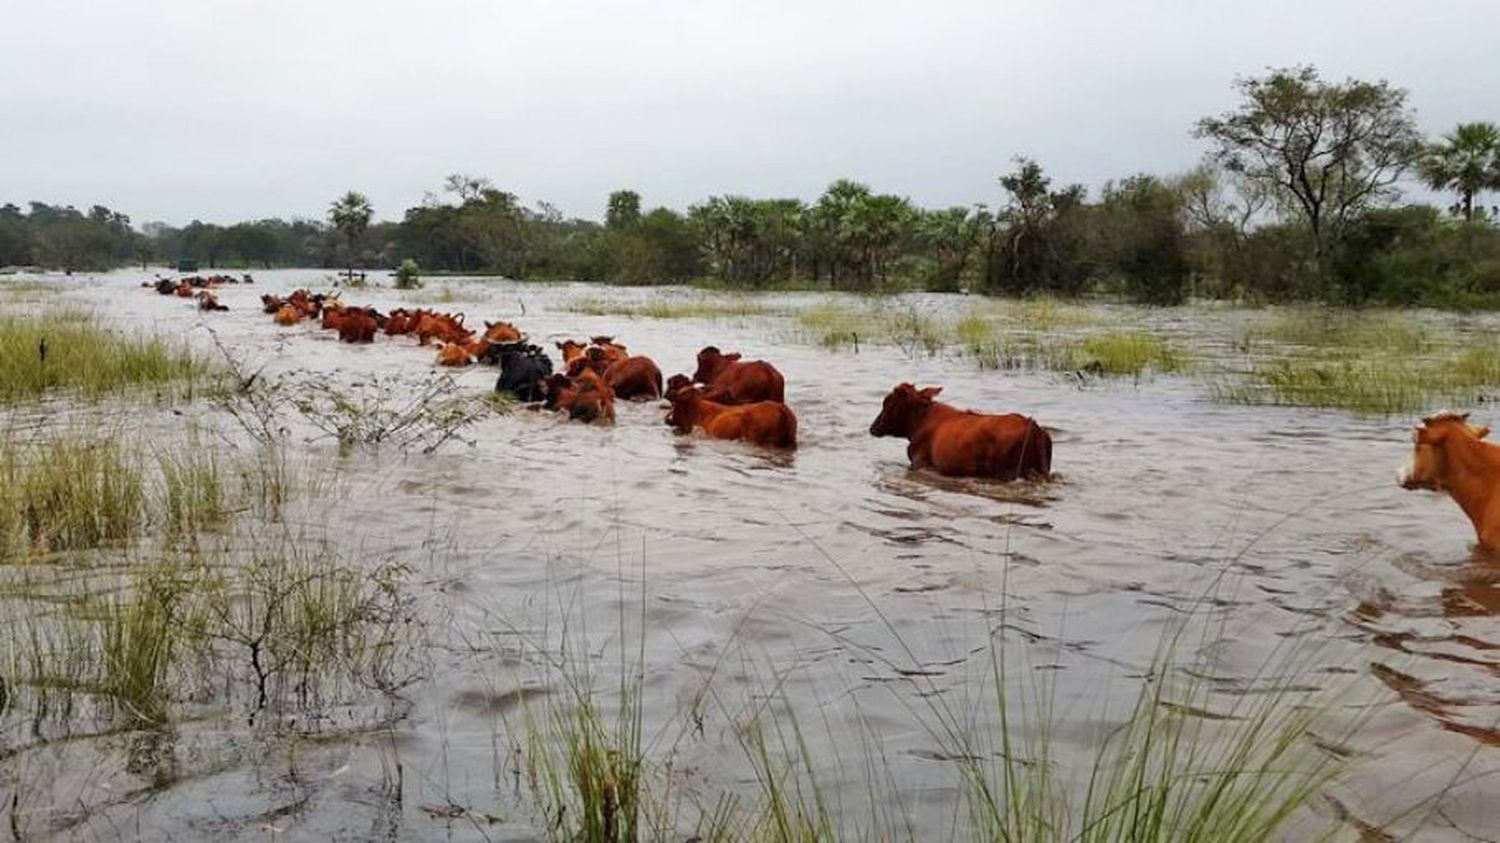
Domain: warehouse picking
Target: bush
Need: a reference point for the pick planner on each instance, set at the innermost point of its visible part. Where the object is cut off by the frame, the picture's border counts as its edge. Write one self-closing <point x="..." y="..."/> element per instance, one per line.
<point x="407" y="276"/>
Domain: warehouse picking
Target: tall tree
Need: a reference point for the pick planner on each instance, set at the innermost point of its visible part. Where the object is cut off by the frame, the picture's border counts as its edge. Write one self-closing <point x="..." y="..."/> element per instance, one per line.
<point x="1331" y="150"/>
<point x="1466" y="162"/>
<point x="351" y="214"/>
<point x="624" y="210"/>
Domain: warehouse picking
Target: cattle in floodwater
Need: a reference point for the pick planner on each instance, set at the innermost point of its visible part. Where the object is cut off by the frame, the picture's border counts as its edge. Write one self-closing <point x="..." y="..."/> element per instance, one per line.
<point x="675" y="384"/>
<point x="447" y="327"/>
<point x="768" y="423"/>
<point x="963" y="443"/>
<point x="634" y="379"/>
<point x="166" y="286"/>
<point x="524" y="369"/>
<point x="571" y="350"/>
<point x="502" y="332"/>
<point x="584" y="398"/>
<point x="1450" y="455"/>
<point x="730" y="380"/>
<point x="453" y="354"/>
<point x="357" y="326"/>
<point x="288" y="314"/>
<point x="208" y="301"/>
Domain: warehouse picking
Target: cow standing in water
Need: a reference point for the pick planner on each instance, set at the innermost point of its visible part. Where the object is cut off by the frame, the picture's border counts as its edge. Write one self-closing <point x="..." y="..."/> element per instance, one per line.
<point x="634" y="379"/>
<point x="1450" y="455"/>
<point x="732" y="381"/>
<point x="584" y="398"/>
<point x="962" y="443"/>
<point x="768" y="423"/>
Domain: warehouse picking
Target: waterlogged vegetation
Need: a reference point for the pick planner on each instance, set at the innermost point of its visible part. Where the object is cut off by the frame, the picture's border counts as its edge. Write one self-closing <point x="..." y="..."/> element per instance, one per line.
<point x="70" y="349"/>
<point x="1177" y="763"/>
<point x="1364" y="361"/>
<point x="677" y="307"/>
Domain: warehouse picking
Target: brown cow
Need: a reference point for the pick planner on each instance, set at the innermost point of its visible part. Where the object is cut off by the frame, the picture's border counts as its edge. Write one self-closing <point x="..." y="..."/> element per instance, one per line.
<point x="609" y="351"/>
<point x="184" y="290"/>
<point x="400" y="322"/>
<point x="208" y="301"/>
<point x="288" y="314"/>
<point x="444" y="326"/>
<point x="333" y="316"/>
<point x="586" y="398"/>
<point x="634" y="378"/>
<point x="1449" y="455"/>
<point x="310" y="305"/>
<point x="676" y="383"/>
<point x="453" y="354"/>
<point x="357" y="326"/>
<point x="502" y="332"/>
<point x="962" y="443"/>
<point x="768" y="423"/>
<point x="271" y="304"/>
<point x="571" y="350"/>
<point x="732" y="381"/>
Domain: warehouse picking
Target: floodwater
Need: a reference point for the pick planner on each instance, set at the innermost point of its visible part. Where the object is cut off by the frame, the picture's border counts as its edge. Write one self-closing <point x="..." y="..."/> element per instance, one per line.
<point x="833" y="581"/>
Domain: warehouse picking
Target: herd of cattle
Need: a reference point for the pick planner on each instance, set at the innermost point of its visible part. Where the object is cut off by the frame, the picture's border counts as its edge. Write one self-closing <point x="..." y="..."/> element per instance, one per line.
<point x="731" y="398"/>
<point x="726" y="397"/>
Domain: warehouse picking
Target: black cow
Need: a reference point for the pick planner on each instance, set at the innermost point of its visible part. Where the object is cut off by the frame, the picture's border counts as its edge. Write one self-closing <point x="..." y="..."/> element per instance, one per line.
<point x="166" y="286"/>
<point x="523" y="368"/>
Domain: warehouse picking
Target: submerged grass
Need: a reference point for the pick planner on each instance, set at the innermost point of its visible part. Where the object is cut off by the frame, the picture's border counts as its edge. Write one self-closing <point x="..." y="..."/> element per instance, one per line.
<point x="1129" y="353"/>
<point x="280" y="632"/>
<point x="68" y="494"/>
<point x="192" y="495"/>
<point x="1368" y="380"/>
<point x="1007" y="335"/>
<point x="1185" y="762"/>
<point x="66" y="349"/>
<point x="82" y="491"/>
<point x="1341" y="329"/>
<point x="717" y="307"/>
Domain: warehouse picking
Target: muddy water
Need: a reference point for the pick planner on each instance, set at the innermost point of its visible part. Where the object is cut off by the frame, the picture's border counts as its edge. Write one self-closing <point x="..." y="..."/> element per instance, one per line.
<point x="836" y="577"/>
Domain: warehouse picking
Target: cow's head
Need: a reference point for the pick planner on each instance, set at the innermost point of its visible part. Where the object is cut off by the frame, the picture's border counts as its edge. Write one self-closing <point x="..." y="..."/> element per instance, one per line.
<point x="711" y="362"/>
<point x="903" y="410"/>
<point x="676" y="383"/>
<point x="571" y="350"/>
<point x="684" y="413"/>
<point x="1427" y="467"/>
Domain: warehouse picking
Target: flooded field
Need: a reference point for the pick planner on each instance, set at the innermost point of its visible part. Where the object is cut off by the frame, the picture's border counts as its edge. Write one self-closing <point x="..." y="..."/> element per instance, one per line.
<point x="827" y="623"/>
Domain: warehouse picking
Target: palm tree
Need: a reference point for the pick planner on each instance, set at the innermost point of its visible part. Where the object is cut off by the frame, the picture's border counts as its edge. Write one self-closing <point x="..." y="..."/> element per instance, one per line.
<point x="1467" y="161"/>
<point x="351" y="214"/>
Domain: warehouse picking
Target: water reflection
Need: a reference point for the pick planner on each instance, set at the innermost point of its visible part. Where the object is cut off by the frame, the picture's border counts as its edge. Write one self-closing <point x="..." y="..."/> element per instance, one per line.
<point x="1446" y="626"/>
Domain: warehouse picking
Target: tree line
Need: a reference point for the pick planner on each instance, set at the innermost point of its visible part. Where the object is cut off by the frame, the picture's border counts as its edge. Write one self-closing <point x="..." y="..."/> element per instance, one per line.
<point x="1297" y="198"/>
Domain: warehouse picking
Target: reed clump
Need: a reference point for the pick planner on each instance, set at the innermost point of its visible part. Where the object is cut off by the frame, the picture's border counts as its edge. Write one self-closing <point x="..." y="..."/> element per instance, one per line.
<point x="68" y="494"/>
<point x="69" y="350"/>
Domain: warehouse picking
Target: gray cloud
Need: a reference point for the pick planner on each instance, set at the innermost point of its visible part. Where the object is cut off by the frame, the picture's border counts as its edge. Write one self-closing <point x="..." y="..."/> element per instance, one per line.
<point x="229" y="110"/>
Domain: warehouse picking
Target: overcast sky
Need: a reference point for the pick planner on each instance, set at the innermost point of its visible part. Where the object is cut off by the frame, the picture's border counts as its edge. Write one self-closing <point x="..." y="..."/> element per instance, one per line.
<point x="181" y="109"/>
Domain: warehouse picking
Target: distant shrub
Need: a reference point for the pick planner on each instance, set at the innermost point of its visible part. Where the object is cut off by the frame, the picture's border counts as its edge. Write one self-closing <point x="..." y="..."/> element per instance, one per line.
<point x="407" y="276"/>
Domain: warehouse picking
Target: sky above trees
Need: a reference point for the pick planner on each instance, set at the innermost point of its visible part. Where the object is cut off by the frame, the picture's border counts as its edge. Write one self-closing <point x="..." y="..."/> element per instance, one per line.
<point x="175" y="110"/>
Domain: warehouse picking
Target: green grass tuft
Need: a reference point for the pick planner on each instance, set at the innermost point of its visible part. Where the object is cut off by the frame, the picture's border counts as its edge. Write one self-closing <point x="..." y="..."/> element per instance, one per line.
<point x="1129" y="353"/>
<point x="84" y="357"/>
<point x="69" y="494"/>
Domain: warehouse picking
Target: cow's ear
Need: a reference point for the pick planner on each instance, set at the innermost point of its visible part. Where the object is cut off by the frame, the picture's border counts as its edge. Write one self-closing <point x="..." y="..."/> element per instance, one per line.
<point x="1480" y="432"/>
<point x="930" y="391"/>
<point x="732" y="357"/>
